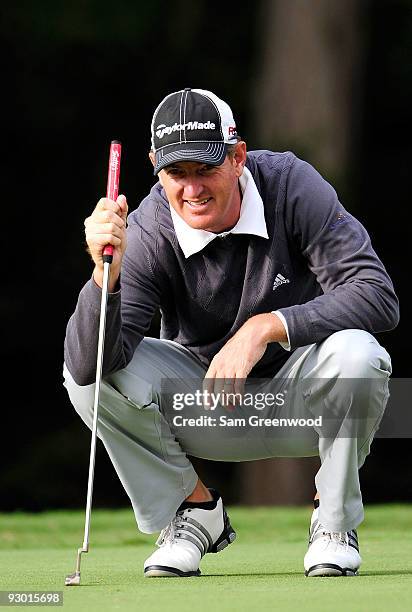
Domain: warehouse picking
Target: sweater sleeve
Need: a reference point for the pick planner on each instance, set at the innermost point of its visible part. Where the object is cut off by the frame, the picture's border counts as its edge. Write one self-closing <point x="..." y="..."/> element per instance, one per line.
<point x="129" y="314"/>
<point x="357" y="291"/>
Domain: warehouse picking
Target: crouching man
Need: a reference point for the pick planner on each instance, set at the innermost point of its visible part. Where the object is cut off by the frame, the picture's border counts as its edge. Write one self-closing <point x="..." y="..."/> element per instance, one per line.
<point x="259" y="273"/>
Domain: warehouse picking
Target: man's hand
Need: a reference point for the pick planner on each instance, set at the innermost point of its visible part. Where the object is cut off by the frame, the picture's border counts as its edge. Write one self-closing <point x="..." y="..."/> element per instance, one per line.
<point x="232" y="364"/>
<point x="107" y="225"/>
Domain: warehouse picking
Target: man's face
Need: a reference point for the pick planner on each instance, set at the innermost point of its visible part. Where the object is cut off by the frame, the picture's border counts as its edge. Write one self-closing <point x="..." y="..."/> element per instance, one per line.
<point x="206" y="197"/>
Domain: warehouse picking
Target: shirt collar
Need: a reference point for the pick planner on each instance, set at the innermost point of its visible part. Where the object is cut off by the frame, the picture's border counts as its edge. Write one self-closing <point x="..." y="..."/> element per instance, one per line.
<point x="251" y="220"/>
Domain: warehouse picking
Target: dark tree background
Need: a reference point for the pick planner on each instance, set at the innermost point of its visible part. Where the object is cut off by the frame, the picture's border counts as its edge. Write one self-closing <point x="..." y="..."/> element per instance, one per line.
<point x="76" y="75"/>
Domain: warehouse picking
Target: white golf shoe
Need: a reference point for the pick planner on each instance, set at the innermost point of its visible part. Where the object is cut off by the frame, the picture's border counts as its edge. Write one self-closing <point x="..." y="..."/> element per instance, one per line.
<point x="193" y="532"/>
<point x="331" y="553"/>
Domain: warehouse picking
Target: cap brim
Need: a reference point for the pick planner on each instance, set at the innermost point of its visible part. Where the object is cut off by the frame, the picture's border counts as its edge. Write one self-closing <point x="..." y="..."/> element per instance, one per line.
<point x="212" y="153"/>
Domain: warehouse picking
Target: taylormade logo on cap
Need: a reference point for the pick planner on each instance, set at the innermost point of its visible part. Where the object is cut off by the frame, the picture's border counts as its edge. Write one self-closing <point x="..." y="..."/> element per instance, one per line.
<point x="192" y="125"/>
<point x="161" y="130"/>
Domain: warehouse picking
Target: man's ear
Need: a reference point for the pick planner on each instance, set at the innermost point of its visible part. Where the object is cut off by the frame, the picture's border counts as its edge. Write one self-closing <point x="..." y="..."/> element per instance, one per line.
<point x="153" y="160"/>
<point x="239" y="157"/>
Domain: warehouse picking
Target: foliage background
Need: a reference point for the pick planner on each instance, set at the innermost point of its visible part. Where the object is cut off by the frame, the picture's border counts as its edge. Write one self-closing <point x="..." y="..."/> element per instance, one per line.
<point x="76" y="75"/>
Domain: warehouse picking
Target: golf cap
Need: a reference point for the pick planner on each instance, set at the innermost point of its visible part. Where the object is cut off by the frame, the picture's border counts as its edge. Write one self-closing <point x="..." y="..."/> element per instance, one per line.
<point x="192" y="125"/>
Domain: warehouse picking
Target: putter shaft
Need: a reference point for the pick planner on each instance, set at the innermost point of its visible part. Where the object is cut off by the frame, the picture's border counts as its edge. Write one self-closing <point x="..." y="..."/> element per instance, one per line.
<point x="74" y="579"/>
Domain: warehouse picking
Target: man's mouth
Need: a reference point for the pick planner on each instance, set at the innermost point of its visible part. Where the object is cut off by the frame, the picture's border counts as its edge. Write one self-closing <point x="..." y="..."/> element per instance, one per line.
<point x="198" y="203"/>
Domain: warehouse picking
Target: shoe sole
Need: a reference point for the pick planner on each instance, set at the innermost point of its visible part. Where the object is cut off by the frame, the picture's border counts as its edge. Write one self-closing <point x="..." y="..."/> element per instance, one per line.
<point x="153" y="571"/>
<point x="330" y="569"/>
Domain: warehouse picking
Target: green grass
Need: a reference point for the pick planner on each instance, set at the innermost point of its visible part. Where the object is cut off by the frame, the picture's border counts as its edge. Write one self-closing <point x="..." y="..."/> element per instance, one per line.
<point x="261" y="571"/>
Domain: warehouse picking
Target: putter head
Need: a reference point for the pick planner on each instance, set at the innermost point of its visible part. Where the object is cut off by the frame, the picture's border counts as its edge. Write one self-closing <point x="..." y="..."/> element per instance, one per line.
<point x="72" y="579"/>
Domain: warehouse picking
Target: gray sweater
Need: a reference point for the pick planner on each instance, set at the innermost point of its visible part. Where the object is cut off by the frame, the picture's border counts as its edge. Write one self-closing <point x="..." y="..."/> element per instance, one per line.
<point x="318" y="268"/>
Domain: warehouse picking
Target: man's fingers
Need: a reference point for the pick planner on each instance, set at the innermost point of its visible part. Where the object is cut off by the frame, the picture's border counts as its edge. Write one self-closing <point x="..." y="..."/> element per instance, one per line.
<point x="228" y="399"/>
<point x="103" y="227"/>
<point x="105" y="216"/>
<point x="239" y="389"/>
<point x="207" y="387"/>
<point x="239" y="385"/>
<point x="122" y="202"/>
<point x="214" y="384"/>
<point x="223" y="384"/>
<point x="107" y="204"/>
<point x="104" y="239"/>
<point x="109" y="216"/>
<point x="223" y="388"/>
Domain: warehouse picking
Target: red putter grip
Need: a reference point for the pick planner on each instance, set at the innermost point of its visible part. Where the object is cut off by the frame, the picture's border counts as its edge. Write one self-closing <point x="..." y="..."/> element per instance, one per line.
<point x="112" y="191"/>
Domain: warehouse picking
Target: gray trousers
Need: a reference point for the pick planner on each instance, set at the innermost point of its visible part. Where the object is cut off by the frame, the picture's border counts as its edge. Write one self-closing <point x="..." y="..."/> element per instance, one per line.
<point x="150" y="454"/>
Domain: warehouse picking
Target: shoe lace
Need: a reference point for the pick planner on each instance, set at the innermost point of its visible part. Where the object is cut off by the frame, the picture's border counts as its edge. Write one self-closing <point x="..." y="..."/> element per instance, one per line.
<point x="168" y="534"/>
<point x="341" y="537"/>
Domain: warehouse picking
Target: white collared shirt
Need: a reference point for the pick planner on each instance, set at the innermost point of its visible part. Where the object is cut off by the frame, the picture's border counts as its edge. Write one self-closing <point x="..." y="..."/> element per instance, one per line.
<point x="251" y="221"/>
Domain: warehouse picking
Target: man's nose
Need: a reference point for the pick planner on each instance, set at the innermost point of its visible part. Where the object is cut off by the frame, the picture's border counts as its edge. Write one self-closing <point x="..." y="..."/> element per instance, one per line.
<point x="193" y="189"/>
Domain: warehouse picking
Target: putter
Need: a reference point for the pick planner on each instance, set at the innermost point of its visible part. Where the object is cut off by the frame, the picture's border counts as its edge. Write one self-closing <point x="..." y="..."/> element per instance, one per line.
<point x="112" y="193"/>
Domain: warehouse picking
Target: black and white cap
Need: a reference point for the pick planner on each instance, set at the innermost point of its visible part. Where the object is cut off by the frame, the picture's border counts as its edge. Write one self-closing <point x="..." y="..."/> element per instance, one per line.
<point x="192" y="125"/>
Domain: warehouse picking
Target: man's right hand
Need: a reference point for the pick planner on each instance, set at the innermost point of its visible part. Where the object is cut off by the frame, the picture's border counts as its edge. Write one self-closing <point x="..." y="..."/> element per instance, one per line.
<point x="107" y="225"/>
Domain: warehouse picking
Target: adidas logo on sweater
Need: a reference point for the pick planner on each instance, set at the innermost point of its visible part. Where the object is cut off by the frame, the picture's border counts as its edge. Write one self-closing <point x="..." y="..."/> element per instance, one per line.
<point x="280" y="280"/>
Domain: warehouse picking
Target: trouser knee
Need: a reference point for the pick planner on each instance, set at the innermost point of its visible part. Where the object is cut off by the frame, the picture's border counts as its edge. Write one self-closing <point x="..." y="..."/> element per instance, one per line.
<point x="81" y="397"/>
<point x="348" y="382"/>
<point x="354" y="353"/>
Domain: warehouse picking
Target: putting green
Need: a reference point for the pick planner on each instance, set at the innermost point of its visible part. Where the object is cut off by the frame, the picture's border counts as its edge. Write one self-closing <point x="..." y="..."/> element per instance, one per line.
<point x="261" y="571"/>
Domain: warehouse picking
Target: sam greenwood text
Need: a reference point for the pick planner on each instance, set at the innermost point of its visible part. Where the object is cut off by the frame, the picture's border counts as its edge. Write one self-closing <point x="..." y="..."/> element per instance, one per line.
<point x="252" y="421"/>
